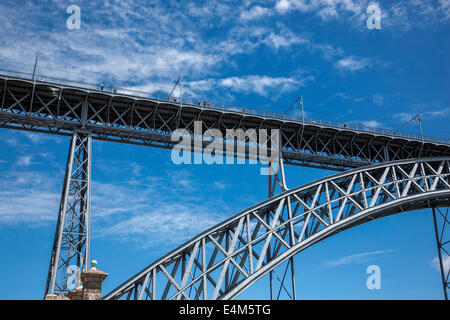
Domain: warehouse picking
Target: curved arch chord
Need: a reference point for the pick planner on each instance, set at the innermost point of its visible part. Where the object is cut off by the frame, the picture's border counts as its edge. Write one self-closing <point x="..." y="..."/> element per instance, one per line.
<point x="225" y="260"/>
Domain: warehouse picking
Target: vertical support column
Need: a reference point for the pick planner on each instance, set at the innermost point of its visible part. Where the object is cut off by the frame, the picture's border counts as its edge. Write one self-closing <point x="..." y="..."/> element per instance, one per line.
<point x="442" y="230"/>
<point x="278" y="179"/>
<point x="70" y="251"/>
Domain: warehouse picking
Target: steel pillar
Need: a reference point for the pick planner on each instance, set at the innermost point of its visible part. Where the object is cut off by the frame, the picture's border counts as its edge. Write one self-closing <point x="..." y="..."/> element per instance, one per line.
<point x="70" y="251"/>
<point x="442" y="232"/>
<point x="278" y="181"/>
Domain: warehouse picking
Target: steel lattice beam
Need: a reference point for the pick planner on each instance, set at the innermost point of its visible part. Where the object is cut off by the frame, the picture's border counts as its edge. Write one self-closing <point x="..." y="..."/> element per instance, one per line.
<point x="228" y="258"/>
<point x="60" y="109"/>
<point x="71" y="242"/>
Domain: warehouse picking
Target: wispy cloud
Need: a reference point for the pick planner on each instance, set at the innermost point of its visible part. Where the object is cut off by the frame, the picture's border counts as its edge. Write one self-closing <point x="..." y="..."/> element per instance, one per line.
<point x="34" y="137"/>
<point x="341" y="95"/>
<point x="219" y="185"/>
<point x="355" y="258"/>
<point x="406" y="116"/>
<point x="369" y="123"/>
<point x="325" y="9"/>
<point x="116" y="49"/>
<point x="353" y="63"/>
<point x="397" y="15"/>
<point x="142" y="211"/>
<point x="29" y="198"/>
<point x="285" y="39"/>
<point x="261" y="85"/>
<point x="445" y="262"/>
<point x="378" y="99"/>
<point x="132" y="213"/>
<point x="24" y="161"/>
<point x="255" y="12"/>
<point x="173" y="222"/>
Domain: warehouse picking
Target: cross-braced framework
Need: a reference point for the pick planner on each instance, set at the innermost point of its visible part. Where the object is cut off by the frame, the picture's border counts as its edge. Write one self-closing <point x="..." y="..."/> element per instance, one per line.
<point x="43" y="106"/>
<point x="441" y="221"/>
<point x="70" y="252"/>
<point x="258" y="240"/>
<point x="228" y="258"/>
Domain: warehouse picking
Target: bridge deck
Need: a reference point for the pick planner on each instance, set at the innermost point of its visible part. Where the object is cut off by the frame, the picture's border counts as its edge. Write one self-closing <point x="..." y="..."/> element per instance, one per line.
<point x="127" y="116"/>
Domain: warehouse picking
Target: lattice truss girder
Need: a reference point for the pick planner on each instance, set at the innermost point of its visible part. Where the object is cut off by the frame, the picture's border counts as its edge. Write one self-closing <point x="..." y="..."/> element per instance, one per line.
<point x="71" y="243"/>
<point x="223" y="261"/>
<point x="60" y="110"/>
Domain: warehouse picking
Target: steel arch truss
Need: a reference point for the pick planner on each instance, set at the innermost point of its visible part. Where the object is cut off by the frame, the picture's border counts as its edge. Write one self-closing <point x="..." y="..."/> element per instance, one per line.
<point x="226" y="259"/>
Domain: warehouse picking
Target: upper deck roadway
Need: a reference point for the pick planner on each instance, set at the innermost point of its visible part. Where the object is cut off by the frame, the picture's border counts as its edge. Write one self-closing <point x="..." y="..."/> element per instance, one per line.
<point x="61" y="107"/>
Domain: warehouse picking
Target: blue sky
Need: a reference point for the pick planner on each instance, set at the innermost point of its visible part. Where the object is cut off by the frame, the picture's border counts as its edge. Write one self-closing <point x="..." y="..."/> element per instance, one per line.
<point x="258" y="54"/>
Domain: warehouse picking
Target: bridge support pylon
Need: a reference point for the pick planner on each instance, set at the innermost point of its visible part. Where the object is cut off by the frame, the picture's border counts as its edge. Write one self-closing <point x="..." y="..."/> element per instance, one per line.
<point x="442" y="232"/>
<point x="278" y="181"/>
<point x="70" y="251"/>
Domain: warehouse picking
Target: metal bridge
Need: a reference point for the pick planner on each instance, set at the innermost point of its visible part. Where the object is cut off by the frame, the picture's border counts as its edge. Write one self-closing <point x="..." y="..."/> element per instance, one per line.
<point x="120" y="116"/>
<point x="390" y="172"/>
<point x="226" y="259"/>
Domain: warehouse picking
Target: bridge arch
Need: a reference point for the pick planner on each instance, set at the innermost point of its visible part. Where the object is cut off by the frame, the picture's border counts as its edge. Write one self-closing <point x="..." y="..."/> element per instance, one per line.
<point x="226" y="259"/>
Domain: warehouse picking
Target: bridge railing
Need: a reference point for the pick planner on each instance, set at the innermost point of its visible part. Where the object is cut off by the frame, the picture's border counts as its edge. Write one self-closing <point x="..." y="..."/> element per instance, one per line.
<point x="212" y="105"/>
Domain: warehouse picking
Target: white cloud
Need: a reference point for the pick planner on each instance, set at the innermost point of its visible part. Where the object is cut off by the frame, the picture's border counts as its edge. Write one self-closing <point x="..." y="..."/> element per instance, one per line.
<point x="121" y="212"/>
<point x="160" y="211"/>
<point x="13" y="141"/>
<point x="261" y="85"/>
<point x="173" y="222"/>
<point x="378" y="99"/>
<point x="354" y="258"/>
<point x="437" y="113"/>
<point x="34" y="137"/>
<point x="407" y="15"/>
<point x="24" y="160"/>
<point x="219" y="185"/>
<point x="29" y="198"/>
<point x="325" y="9"/>
<point x="352" y="63"/>
<point x="283" y="5"/>
<point x="406" y="116"/>
<point x="370" y="123"/>
<point x="256" y="12"/>
<point x="132" y="213"/>
<point x="398" y="15"/>
<point x="356" y="100"/>
<point x="143" y="210"/>
<point x="445" y="9"/>
<point x="445" y="261"/>
<point x="328" y="13"/>
<point x="285" y="38"/>
<point x="151" y="46"/>
<point x="341" y="95"/>
<point x="154" y="43"/>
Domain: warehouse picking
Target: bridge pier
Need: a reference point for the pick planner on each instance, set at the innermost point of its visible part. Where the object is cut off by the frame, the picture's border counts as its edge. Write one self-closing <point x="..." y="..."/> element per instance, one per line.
<point x="70" y="251"/>
<point x="279" y="179"/>
<point x="442" y="231"/>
